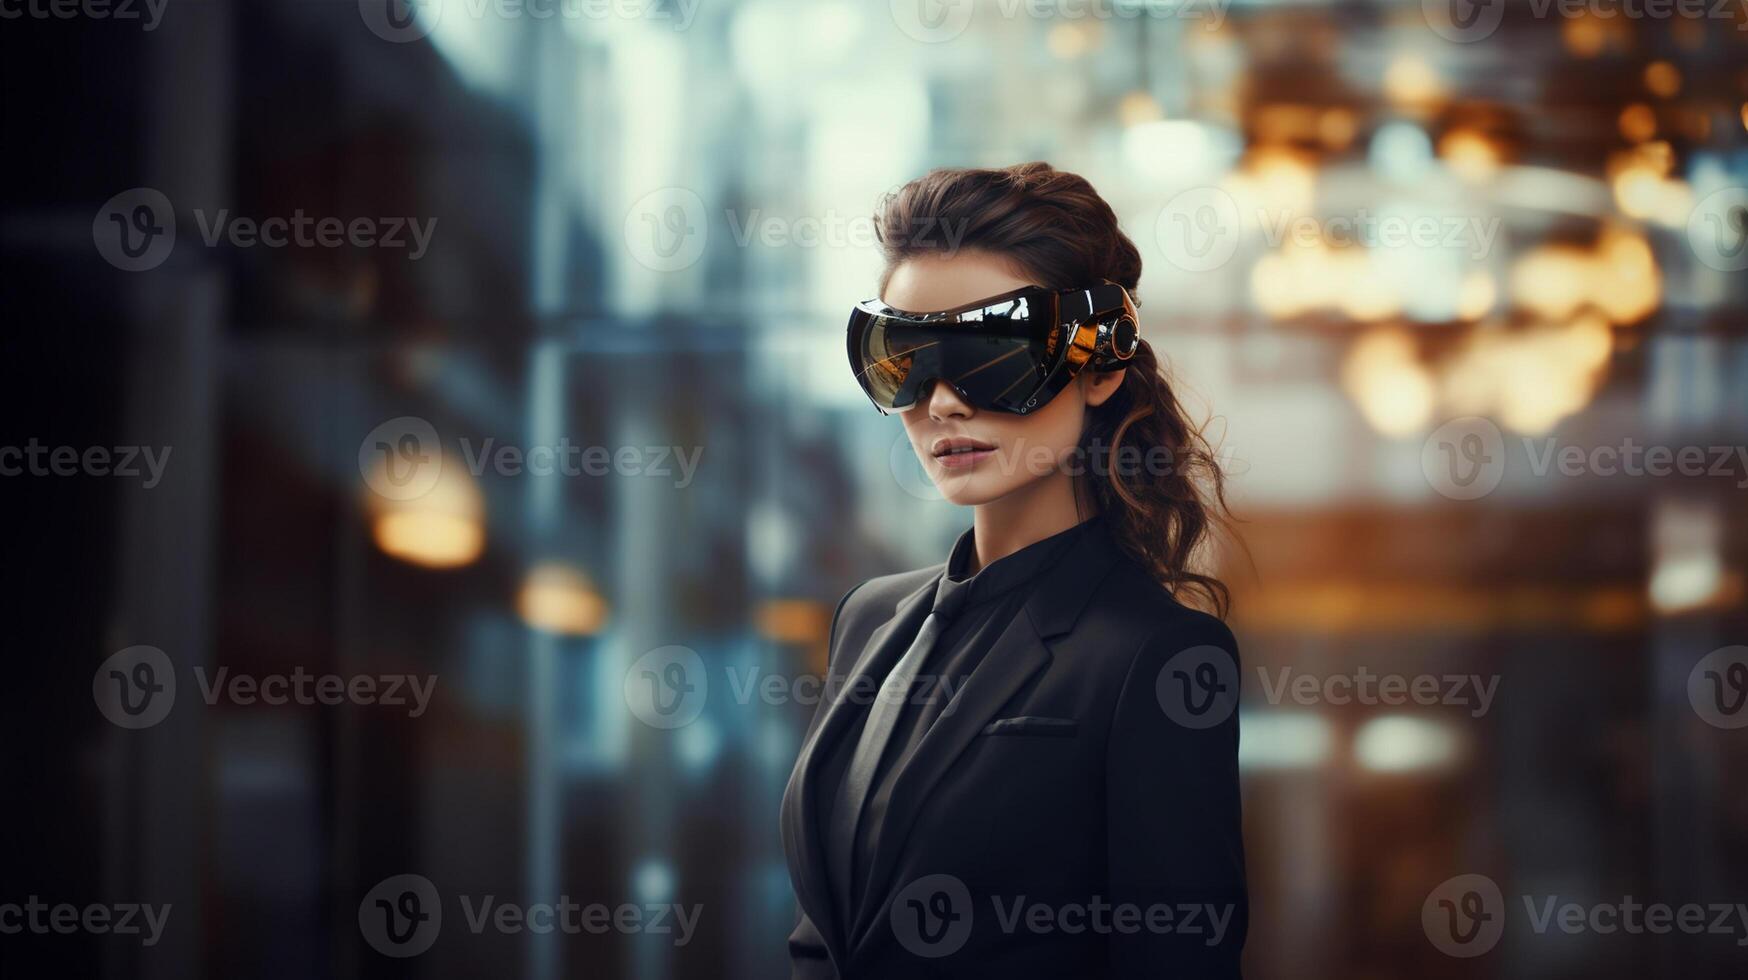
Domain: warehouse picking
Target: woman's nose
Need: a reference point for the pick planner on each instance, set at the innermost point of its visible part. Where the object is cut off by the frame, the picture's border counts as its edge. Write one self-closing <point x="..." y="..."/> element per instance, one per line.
<point x="945" y="403"/>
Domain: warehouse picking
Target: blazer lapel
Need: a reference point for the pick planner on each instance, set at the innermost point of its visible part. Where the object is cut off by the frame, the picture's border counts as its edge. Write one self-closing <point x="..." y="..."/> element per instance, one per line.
<point x="803" y="834"/>
<point x="1018" y="654"/>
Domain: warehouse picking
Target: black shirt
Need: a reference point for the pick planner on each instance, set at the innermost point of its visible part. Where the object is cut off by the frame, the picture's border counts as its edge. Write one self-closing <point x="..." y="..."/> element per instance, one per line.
<point x="974" y="610"/>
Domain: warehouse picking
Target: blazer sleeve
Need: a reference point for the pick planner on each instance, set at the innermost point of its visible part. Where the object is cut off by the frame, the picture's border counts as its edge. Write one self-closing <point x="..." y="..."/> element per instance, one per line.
<point x="807" y="952"/>
<point x="1175" y="845"/>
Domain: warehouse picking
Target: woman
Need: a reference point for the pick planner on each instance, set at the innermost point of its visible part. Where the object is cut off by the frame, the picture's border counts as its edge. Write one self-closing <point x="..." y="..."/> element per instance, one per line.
<point x="1027" y="761"/>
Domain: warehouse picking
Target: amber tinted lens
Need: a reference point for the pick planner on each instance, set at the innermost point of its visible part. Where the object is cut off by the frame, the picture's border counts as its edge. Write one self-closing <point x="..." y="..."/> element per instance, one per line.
<point x="897" y="358"/>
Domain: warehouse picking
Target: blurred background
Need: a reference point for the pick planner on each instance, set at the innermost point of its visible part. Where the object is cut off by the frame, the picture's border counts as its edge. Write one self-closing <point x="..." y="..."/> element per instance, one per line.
<point x="1437" y="273"/>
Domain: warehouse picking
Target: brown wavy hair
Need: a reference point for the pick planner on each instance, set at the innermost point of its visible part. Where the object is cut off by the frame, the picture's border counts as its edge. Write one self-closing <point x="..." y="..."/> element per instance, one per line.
<point x="1057" y="231"/>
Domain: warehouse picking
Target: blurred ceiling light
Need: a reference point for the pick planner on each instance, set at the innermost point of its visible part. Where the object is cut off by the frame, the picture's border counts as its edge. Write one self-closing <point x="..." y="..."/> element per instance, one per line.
<point x="1476" y="296"/>
<point x="1528" y="379"/>
<point x="1139" y="107"/>
<point x="1283" y="180"/>
<point x="441" y="529"/>
<point x="1383" y="375"/>
<point x="1638" y="122"/>
<point x="798" y="621"/>
<point x="1284" y="740"/>
<point x="1469" y="154"/>
<point x="1584" y="35"/>
<point x="1365" y="294"/>
<point x="1071" y="39"/>
<point x="1687" y="572"/>
<point x="1401" y="743"/>
<point x="1551" y="280"/>
<point x="560" y="599"/>
<point x="1628" y="287"/>
<point x="1686" y="583"/>
<point x="1662" y="79"/>
<point x="1336" y="127"/>
<point x="1745" y="115"/>
<point x="1410" y="81"/>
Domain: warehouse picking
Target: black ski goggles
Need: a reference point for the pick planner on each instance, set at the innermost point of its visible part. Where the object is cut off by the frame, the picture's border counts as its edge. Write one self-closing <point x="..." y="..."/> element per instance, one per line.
<point x="1008" y="353"/>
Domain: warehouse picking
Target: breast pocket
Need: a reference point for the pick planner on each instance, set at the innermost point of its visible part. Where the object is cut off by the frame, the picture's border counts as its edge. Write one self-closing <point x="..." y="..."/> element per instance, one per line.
<point x="1033" y="725"/>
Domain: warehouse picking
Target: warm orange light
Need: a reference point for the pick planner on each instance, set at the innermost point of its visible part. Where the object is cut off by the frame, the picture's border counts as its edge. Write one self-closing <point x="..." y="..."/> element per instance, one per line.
<point x="1662" y="79"/>
<point x="560" y="599"/>
<point x="1410" y="81"/>
<point x="1336" y="127"/>
<point x="441" y="528"/>
<point x="1638" y="122"/>
<point x="1384" y="377"/>
<point x="1469" y="154"/>
<point x="1139" y="107"/>
<point x="1584" y="36"/>
<point x="799" y="621"/>
<point x="429" y="538"/>
<point x="1476" y="296"/>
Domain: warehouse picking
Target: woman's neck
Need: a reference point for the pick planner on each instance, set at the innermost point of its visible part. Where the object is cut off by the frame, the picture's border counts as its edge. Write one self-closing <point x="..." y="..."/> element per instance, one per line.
<point x="1026" y="516"/>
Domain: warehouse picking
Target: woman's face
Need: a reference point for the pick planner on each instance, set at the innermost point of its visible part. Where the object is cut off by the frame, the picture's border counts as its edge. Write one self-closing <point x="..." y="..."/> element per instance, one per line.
<point x="975" y="456"/>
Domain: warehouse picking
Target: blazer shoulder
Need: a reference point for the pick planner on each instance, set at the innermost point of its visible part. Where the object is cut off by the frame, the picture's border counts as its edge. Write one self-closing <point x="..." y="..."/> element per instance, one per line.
<point x="1161" y="625"/>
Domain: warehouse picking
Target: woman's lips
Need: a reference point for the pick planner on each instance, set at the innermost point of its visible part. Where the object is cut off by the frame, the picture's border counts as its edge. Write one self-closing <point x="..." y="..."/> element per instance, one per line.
<point x="961" y="453"/>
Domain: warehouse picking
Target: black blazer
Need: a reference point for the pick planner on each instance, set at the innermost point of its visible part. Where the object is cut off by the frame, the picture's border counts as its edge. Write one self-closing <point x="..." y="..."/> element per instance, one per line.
<point x="1064" y="788"/>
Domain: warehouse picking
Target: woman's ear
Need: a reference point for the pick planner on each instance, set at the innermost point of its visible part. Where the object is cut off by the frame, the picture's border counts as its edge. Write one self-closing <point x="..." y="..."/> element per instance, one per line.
<point x="1101" y="385"/>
